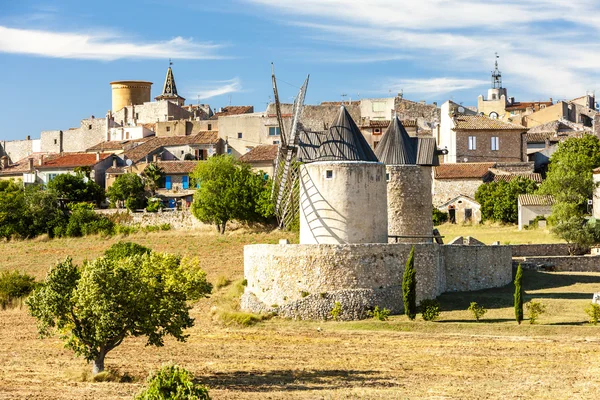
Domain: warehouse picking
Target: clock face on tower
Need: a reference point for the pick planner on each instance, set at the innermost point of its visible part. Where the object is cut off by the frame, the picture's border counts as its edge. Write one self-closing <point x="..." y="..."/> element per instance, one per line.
<point x="494" y="115"/>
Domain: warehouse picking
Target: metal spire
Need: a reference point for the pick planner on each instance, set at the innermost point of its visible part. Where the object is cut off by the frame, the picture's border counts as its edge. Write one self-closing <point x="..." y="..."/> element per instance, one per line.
<point x="496" y="75"/>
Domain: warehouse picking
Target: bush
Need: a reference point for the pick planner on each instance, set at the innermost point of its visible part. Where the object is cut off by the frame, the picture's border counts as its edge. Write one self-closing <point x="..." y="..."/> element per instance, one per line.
<point x="222" y="281"/>
<point x="439" y="217"/>
<point x="535" y="309"/>
<point x="125" y="249"/>
<point x="477" y="310"/>
<point x="154" y="205"/>
<point x="84" y="221"/>
<point x="175" y="383"/>
<point x="593" y="310"/>
<point x="379" y="314"/>
<point x="241" y="318"/>
<point x="430" y="309"/>
<point x="13" y="286"/>
<point x="336" y="311"/>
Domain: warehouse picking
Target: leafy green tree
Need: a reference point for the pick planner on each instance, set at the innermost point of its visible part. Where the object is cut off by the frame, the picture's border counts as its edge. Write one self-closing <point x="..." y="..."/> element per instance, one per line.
<point x="45" y="215"/>
<point x="76" y="188"/>
<point x="229" y="190"/>
<point x="128" y="189"/>
<point x="94" y="308"/>
<point x="121" y="250"/>
<point x="519" y="295"/>
<point x="499" y="200"/>
<point x="409" y="286"/>
<point x="153" y="174"/>
<point x="14" y="220"/>
<point x="174" y="383"/>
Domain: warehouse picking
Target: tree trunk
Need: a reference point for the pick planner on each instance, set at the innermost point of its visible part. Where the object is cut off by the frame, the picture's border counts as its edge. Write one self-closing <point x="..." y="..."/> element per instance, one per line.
<point x="98" y="364"/>
<point x="223" y="227"/>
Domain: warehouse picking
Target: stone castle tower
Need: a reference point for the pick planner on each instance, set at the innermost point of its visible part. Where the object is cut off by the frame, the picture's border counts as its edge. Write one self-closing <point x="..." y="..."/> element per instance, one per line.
<point x="343" y="192"/>
<point x="127" y="93"/>
<point x="408" y="163"/>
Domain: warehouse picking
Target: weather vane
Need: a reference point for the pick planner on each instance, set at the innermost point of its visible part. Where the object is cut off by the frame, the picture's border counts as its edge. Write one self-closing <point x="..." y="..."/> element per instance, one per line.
<point x="170" y="62"/>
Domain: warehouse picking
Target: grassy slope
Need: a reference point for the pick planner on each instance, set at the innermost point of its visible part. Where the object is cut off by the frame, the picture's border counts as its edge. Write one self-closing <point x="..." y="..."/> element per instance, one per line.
<point x="452" y="358"/>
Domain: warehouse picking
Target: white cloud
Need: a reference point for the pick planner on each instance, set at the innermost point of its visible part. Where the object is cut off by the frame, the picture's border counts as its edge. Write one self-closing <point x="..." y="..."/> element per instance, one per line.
<point x="433" y="86"/>
<point x="106" y="47"/>
<point x="217" y="88"/>
<point x="547" y="47"/>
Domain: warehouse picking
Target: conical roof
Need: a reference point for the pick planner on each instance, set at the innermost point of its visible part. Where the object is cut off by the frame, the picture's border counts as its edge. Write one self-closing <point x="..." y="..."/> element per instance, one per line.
<point x="345" y="142"/>
<point x="397" y="147"/>
<point x="169" y="89"/>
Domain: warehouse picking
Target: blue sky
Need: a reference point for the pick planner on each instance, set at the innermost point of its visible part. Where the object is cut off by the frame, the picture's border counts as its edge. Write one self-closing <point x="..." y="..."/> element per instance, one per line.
<point x="58" y="57"/>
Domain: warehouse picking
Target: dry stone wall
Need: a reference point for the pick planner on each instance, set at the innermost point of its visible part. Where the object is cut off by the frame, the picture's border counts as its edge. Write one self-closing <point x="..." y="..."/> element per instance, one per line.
<point x="179" y="220"/>
<point x="471" y="268"/>
<point x="549" y="249"/>
<point x="561" y="263"/>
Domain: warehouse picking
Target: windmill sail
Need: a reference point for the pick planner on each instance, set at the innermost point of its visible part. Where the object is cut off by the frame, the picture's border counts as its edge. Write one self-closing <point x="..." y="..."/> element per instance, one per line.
<point x="285" y="180"/>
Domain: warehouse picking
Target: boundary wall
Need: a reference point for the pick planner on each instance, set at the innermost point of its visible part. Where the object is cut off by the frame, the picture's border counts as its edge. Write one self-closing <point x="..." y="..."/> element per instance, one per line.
<point x="305" y="281"/>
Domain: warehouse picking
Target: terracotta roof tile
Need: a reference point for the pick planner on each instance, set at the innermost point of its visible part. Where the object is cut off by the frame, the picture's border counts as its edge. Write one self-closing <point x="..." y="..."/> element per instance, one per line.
<point x="22" y="165"/>
<point x="536" y="199"/>
<point x="528" y="104"/>
<point x="233" y="110"/>
<point x="155" y="143"/>
<point x="509" y="177"/>
<point x="463" y="170"/>
<point x="472" y="122"/>
<point x="261" y="153"/>
<point x="177" y="167"/>
<point x="69" y="160"/>
<point x="117" y="144"/>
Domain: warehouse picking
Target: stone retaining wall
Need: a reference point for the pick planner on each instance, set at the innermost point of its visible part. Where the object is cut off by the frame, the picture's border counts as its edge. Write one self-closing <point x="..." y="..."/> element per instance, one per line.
<point x="561" y="263"/>
<point x="554" y="249"/>
<point x="179" y="220"/>
<point x="305" y="281"/>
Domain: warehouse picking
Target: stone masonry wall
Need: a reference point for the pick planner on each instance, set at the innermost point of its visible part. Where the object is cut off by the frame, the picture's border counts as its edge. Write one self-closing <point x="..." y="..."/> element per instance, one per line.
<point x="305" y="281"/>
<point x="447" y="189"/>
<point x="17" y="149"/>
<point x="179" y="220"/>
<point x="553" y="249"/>
<point x="471" y="268"/>
<point x="561" y="263"/>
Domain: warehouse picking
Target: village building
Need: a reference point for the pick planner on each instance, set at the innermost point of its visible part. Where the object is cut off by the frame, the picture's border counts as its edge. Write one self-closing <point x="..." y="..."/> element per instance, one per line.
<point x="453" y="180"/>
<point x="262" y="158"/>
<point x="69" y="163"/>
<point x="532" y="206"/>
<point x="462" y="209"/>
<point x="581" y="110"/>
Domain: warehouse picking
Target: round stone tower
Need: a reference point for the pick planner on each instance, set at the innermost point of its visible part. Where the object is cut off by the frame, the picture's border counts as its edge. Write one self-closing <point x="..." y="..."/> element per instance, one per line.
<point x="343" y="192"/>
<point x="408" y="166"/>
<point x="126" y="93"/>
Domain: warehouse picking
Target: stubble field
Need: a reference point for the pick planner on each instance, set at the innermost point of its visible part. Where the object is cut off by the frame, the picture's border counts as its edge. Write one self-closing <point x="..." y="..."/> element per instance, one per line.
<point x="452" y="358"/>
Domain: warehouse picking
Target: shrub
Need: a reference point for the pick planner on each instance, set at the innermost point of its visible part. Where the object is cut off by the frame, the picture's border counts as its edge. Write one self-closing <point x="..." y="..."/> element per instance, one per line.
<point x="535" y="309"/>
<point x="409" y="286"/>
<point x="175" y="383"/>
<point x="241" y="318"/>
<point x="593" y="310"/>
<point x="84" y="221"/>
<point x="430" y="309"/>
<point x="222" y="281"/>
<point x="336" y="311"/>
<point x="304" y="293"/>
<point x="477" y="310"/>
<point x="154" y="205"/>
<point x="379" y="314"/>
<point x="14" y="285"/>
<point x="125" y="249"/>
<point x="439" y="217"/>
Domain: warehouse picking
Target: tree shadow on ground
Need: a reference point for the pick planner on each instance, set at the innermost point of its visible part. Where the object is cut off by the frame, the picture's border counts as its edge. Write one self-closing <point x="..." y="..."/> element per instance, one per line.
<point x="532" y="281"/>
<point x="482" y="321"/>
<point x="295" y="380"/>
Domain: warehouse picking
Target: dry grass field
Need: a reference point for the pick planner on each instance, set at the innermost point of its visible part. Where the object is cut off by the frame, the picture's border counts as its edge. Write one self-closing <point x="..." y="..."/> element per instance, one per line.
<point x="452" y="358"/>
<point x="505" y="234"/>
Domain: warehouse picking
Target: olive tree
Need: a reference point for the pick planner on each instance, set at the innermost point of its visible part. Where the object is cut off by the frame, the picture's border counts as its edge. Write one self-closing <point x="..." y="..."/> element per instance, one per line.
<point x="95" y="307"/>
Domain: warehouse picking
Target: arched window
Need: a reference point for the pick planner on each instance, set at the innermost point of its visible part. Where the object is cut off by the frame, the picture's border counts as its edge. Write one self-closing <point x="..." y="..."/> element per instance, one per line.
<point x="494" y="115"/>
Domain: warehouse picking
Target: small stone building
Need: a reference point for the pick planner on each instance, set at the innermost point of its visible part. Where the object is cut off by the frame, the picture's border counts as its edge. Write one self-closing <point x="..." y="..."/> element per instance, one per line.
<point x="462" y="210"/>
<point x="262" y="158"/>
<point x="532" y="206"/>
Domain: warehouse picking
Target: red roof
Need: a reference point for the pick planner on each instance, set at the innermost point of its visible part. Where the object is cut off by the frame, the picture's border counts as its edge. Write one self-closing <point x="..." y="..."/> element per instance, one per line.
<point x="70" y="160"/>
<point x="463" y="170"/>
<point x="261" y="153"/>
<point x="233" y="110"/>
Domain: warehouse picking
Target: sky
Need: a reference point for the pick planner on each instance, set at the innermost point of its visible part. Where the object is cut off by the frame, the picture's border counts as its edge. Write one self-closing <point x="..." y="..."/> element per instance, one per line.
<point x="57" y="57"/>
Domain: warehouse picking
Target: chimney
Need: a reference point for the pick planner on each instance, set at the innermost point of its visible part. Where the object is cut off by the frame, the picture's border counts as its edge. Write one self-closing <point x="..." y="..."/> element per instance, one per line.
<point x="30" y="164"/>
<point x="97" y="156"/>
<point x="41" y="160"/>
<point x="114" y="162"/>
<point x="4" y="162"/>
<point x="28" y="137"/>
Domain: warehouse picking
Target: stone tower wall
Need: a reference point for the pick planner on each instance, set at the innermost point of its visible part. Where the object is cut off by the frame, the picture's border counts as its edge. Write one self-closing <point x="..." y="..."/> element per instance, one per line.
<point x="347" y="207"/>
<point x="410" y="202"/>
<point x="125" y="93"/>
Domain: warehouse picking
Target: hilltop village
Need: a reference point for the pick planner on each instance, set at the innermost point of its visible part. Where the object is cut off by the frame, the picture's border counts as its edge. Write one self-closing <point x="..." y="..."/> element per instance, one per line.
<point x="500" y="139"/>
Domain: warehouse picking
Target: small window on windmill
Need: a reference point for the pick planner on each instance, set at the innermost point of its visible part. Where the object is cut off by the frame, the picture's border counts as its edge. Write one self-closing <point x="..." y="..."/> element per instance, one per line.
<point x="329" y="174"/>
<point x="377" y="131"/>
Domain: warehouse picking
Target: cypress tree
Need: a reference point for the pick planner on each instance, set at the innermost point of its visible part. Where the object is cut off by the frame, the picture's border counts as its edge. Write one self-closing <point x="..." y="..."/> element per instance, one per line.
<point x="519" y="295"/>
<point x="409" y="287"/>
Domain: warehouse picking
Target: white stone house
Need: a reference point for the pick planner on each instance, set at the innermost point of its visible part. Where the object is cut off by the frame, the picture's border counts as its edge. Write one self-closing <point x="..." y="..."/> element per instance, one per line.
<point x="462" y="210"/>
<point x="67" y="163"/>
<point x="532" y="206"/>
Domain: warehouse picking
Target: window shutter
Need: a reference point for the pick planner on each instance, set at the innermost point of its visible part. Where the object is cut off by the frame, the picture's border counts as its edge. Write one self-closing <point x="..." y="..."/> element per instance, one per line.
<point x="168" y="184"/>
<point x="185" y="182"/>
